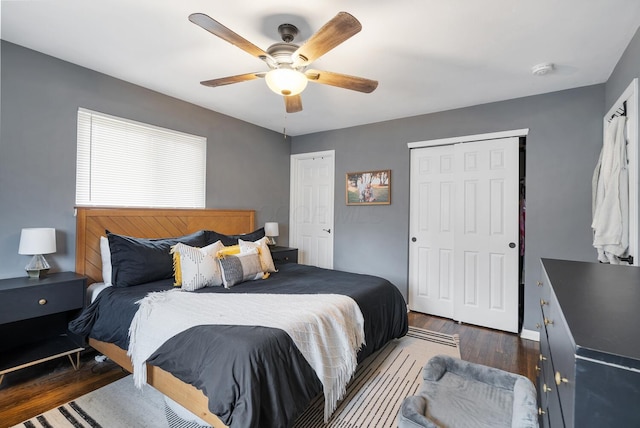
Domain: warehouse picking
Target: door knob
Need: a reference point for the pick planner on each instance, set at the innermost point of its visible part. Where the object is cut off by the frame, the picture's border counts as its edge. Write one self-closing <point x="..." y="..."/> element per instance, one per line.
<point x="413" y="239"/>
<point x="512" y="245"/>
<point x="326" y="230"/>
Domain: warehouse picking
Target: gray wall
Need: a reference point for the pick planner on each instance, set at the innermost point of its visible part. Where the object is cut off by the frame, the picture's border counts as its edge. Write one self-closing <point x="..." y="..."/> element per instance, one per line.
<point x="562" y="149"/>
<point x="626" y="70"/>
<point x="40" y="99"/>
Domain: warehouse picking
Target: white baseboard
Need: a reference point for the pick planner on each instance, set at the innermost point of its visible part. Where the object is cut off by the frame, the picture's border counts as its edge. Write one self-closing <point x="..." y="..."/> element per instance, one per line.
<point x="530" y="335"/>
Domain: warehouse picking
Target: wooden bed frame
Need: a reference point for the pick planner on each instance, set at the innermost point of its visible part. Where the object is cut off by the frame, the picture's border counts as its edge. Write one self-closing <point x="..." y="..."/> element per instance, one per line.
<point x="91" y="223"/>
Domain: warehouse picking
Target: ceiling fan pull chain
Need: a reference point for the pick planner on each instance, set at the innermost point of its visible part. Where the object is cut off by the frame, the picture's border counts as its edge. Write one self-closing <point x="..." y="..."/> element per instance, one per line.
<point x="284" y="128"/>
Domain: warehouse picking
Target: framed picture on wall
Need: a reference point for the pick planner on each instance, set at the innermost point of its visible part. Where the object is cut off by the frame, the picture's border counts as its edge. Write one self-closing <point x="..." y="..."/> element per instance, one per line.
<point x="369" y="187"/>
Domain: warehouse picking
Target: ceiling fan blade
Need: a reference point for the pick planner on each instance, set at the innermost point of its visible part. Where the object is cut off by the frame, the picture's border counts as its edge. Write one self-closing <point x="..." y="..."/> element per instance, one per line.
<point x="334" y="32"/>
<point x="217" y="29"/>
<point x="293" y="103"/>
<point x="233" y="79"/>
<point x="354" y="83"/>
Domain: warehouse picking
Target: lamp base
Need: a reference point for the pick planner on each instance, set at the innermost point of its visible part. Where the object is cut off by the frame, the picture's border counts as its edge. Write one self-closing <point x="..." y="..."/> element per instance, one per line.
<point x="37" y="267"/>
<point x="271" y="241"/>
<point x="37" y="274"/>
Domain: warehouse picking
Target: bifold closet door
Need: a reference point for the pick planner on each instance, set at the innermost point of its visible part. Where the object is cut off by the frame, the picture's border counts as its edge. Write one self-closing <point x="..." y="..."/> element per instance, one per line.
<point x="463" y="256"/>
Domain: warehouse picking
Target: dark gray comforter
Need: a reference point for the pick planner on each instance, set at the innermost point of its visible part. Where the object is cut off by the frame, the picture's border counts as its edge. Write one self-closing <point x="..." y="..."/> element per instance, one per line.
<point x="253" y="376"/>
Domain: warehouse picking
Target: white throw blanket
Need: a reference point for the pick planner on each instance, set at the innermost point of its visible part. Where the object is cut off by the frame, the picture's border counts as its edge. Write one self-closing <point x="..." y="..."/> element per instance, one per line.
<point x="328" y="329"/>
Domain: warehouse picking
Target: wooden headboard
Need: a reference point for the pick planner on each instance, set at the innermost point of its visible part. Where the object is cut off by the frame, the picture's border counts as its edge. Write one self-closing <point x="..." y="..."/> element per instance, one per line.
<point x="91" y="224"/>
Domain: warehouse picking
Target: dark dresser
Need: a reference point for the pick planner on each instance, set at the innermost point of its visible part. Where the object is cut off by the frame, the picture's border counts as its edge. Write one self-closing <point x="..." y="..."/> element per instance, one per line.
<point x="34" y="314"/>
<point x="589" y="368"/>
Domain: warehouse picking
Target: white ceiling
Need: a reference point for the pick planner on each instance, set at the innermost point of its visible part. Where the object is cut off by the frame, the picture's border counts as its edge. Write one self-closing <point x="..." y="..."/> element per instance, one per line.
<point x="427" y="55"/>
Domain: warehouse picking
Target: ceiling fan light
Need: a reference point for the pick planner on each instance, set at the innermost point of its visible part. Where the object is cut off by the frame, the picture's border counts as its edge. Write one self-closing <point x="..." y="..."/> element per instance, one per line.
<point x="285" y="81"/>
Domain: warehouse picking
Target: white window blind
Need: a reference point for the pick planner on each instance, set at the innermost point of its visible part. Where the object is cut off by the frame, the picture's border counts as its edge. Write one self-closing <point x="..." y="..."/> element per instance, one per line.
<point x="125" y="163"/>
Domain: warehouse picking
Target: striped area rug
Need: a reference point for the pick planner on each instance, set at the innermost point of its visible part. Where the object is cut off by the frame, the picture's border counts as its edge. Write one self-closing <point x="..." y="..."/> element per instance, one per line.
<point x="117" y="405"/>
<point x="373" y="396"/>
<point x="382" y="381"/>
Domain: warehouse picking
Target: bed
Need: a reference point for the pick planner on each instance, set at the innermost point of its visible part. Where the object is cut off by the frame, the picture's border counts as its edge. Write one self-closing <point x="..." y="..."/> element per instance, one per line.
<point x="237" y="375"/>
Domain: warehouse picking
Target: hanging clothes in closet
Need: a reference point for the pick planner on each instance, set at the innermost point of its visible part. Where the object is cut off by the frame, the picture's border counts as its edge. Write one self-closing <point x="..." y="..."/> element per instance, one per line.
<point x="610" y="195"/>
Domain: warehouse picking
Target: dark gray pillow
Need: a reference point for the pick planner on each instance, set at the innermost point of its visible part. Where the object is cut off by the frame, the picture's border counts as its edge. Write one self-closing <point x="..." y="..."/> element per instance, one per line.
<point x="213" y="236"/>
<point x="138" y="260"/>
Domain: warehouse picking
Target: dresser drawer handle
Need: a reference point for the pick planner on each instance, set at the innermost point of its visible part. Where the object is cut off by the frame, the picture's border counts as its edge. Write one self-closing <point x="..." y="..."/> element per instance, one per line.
<point x="543" y="302"/>
<point x="540" y="411"/>
<point x="538" y="325"/>
<point x="547" y="321"/>
<point x="545" y="388"/>
<point x="42" y="301"/>
<point x="539" y="283"/>
<point x="560" y="379"/>
<point x="537" y="368"/>
<point x="542" y="358"/>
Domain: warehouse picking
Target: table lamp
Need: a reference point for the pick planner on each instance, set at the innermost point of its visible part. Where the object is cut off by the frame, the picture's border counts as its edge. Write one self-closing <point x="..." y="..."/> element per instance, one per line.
<point x="271" y="231"/>
<point x="37" y="241"/>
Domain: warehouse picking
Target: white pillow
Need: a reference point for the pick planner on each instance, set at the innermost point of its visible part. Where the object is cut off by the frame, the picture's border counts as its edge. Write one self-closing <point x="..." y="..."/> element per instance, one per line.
<point x="105" y="255"/>
<point x="263" y="250"/>
<point x="94" y="289"/>
<point x="198" y="267"/>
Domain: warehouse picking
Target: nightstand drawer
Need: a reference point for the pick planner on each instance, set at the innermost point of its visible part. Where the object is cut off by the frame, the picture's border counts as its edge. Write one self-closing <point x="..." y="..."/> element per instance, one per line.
<point x="282" y="255"/>
<point x="30" y="302"/>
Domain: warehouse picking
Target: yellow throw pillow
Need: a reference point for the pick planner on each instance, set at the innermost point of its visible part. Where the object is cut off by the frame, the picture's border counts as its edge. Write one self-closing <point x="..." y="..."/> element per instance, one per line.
<point x="228" y="251"/>
<point x="177" y="271"/>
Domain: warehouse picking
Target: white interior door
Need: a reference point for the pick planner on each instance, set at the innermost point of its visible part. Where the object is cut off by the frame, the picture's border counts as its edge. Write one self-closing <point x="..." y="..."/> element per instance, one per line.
<point x="311" y="215"/>
<point x="463" y="256"/>
<point x="431" y="223"/>
<point x="486" y="234"/>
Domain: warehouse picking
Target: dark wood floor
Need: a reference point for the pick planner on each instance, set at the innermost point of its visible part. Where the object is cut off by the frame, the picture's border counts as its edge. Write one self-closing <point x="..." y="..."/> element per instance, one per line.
<point x="506" y="351"/>
<point x="31" y="391"/>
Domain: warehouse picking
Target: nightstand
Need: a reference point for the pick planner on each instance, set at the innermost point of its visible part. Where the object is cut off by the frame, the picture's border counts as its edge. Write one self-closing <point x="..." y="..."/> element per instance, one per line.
<point x="282" y="255"/>
<point x="34" y="314"/>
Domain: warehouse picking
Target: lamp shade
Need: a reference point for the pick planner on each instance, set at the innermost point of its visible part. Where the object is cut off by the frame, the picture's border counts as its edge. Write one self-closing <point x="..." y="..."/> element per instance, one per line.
<point x="37" y="240"/>
<point x="271" y="229"/>
<point x="286" y="81"/>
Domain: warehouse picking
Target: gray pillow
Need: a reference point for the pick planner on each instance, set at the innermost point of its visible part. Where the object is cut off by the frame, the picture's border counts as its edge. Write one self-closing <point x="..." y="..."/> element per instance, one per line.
<point x="240" y="268"/>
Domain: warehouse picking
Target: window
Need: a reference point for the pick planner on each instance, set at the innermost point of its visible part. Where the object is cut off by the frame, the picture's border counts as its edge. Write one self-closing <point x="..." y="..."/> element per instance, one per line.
<point x="125" y="163"/>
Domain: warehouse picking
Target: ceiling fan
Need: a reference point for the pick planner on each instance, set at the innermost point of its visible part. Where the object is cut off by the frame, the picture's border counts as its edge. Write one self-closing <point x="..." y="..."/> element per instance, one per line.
<point x="288" y="62"/>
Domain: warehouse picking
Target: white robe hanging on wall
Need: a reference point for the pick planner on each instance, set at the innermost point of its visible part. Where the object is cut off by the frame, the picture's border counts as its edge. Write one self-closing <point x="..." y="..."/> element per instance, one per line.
<point x="610" y="195"/>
